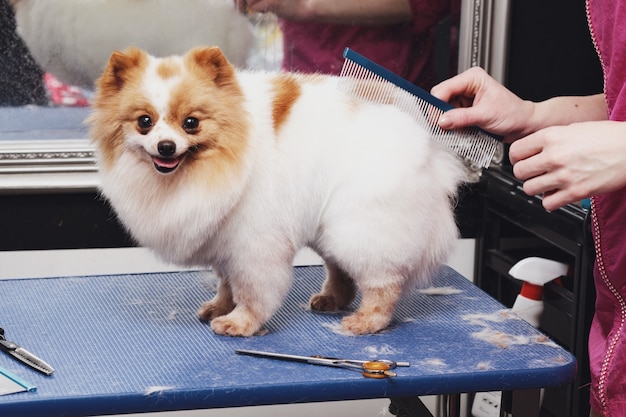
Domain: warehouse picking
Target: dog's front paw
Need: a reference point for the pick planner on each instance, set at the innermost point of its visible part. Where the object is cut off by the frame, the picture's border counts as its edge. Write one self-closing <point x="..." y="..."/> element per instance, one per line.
<point x="236" y="324"/>
<point x="361" y="323"/>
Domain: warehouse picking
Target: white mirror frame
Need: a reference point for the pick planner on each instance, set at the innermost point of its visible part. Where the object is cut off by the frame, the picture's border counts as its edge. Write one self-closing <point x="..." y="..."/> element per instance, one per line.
<point x="35" y="166"/>
<point x="484" y="36"/>
<point x="66" y="162"/>
<point x="45" y="149"/>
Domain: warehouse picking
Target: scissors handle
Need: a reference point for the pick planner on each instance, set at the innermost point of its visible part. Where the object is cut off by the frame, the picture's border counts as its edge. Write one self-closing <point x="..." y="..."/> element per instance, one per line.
<point x="392" y="364"/>
<point x="377" y="370"/>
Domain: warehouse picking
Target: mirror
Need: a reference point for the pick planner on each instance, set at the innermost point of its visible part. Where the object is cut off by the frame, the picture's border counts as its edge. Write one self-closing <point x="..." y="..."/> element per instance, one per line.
<point x="52" y="51"/>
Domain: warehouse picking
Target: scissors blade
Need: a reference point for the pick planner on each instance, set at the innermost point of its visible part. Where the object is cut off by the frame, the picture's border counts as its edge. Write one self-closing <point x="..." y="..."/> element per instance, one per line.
<point x="32" y="361"/>
<point x="24" y="356"/>
<point x="283" y="356"/>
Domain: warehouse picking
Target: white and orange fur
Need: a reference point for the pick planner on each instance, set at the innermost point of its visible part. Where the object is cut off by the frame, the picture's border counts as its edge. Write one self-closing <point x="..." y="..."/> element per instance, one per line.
<point x="238" y="170"/>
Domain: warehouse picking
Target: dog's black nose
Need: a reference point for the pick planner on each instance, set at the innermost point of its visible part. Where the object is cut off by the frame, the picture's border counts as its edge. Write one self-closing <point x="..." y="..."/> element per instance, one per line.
<point x="166" y="148"/>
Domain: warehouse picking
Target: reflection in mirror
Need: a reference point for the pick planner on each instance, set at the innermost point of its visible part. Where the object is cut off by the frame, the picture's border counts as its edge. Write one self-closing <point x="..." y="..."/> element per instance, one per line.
<point x="52" y="52"/>
<point x="73" y="39"/>
<point x="398" y="34"/>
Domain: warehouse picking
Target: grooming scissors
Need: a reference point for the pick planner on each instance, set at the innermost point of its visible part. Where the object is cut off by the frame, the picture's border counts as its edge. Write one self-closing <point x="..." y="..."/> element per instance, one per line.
<point x="370" y="369"/>
<point x="23" y="355"/>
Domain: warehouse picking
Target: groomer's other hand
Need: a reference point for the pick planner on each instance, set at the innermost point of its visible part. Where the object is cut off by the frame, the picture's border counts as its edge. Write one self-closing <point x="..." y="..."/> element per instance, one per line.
<point x="569" y="163"/>
<point x="483" y="102"/>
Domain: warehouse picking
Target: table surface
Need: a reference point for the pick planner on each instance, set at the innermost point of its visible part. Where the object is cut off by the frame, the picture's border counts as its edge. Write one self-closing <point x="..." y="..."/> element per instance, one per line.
<point x="132" y="343"/>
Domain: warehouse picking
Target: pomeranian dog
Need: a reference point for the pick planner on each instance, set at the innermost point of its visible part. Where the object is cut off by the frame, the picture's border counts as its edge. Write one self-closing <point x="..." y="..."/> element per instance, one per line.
<point x="73" y="39"/>
<point x="237" y="170"/>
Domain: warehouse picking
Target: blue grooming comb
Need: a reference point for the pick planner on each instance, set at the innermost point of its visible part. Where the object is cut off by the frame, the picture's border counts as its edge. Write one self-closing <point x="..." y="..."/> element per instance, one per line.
<point x="368" y="81"/>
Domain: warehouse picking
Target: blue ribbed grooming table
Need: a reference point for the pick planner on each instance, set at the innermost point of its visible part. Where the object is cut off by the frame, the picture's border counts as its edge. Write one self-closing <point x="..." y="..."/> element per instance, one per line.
<point x="132" y="343"/>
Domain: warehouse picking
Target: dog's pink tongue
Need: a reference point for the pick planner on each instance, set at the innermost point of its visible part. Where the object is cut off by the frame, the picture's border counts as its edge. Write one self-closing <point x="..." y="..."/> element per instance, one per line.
<point x="166" y="162"/>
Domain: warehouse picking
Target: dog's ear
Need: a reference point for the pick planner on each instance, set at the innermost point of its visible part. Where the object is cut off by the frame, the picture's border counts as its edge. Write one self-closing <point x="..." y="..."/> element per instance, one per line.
<point x="213" y="63"/>
<point x="117" y="71"/>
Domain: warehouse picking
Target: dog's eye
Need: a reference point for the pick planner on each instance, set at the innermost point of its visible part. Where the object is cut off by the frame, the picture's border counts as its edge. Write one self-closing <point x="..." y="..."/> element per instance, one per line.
<point x="144" y="123"/>
<point x="191" y="124"/>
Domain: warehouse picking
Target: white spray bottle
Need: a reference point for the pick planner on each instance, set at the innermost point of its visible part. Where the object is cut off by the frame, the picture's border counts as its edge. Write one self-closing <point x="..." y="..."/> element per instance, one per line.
<point x="534" y="273"/>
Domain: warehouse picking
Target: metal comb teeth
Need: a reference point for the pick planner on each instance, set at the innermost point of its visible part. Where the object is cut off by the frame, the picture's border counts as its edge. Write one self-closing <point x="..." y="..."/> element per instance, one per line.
<point x="368" y="81"/>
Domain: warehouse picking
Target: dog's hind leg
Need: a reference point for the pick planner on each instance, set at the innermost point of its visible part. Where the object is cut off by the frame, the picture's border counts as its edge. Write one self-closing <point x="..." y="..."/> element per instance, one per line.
<point x="337" y="292"/>
<point x="220" y="305"/>
<point x="376" y="309"/>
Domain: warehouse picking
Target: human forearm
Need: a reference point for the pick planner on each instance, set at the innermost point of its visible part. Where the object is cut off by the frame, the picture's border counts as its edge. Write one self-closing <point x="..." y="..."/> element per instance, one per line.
<point x="334" y="11"/>
<point x="362" y="11"/>
<point x="562" y="111"/>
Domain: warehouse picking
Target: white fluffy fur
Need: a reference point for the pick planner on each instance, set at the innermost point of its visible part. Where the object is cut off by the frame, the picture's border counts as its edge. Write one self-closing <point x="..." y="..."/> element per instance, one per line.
<point x="73" y="39"/>
<point x="361" y="184"/>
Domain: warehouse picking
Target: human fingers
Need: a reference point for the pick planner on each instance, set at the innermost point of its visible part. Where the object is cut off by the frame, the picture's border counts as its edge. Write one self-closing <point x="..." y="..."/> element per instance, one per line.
<point x="565" y="164"/>
<point x="532" y="164"/>
<point x="524" y="148"/>
<point x="464" y="117"/>
<point x="464" y="86"/>
<point x="556" y="189"/>
<point x="484" y="115"/>
<point x="493" y="107"/>
<point x="543" y="161"/>
<point x="553" y="200"/>
<point x="553" y="184"/>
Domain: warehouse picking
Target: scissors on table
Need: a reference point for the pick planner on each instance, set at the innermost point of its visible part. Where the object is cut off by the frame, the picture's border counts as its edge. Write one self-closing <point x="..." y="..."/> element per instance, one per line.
<point x="370" y="369"/>
<point x="23" y="355"/>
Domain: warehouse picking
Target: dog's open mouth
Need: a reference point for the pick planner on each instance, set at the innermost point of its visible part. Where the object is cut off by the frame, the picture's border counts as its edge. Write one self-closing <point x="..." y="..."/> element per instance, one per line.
<point x="166" y="165"/>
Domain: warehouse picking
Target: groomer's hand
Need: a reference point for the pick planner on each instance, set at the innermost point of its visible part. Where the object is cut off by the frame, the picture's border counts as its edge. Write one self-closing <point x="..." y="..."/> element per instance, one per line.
<point x="569" y="163"/>
<point x="294" y="9"/>
<point x="483" y="102"/>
